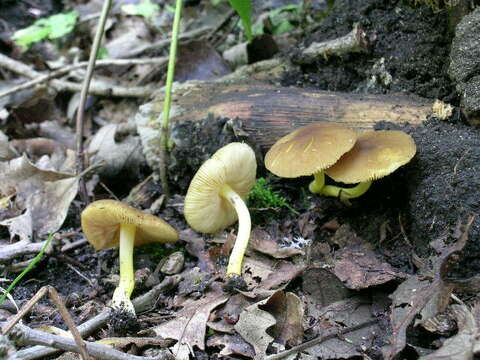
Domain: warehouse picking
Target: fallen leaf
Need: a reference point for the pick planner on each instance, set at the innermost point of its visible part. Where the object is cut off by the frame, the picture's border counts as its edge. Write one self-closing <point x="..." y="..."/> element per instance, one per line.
<point x="190" y="324"/>
<point x="359" y="268"/>
<point x="6" y="151"/>
<point x="462" y="345"/>
<point x="340" y="315"/>
<point x="261" y="241"/>
<point x="231" y="345"/>
<point x="288" y="311"/>
<point x="43" y="196"/>
<point x="252" y="327"/>
<point x="124" y="156"/>
<point x="227" y="316"/>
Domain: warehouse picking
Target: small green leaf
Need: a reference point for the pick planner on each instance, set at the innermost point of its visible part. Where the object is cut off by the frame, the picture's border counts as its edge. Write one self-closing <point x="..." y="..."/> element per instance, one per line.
<point x="52" y="27"/>
<point x="244" y="10"/>
<point x="146" y="9"/>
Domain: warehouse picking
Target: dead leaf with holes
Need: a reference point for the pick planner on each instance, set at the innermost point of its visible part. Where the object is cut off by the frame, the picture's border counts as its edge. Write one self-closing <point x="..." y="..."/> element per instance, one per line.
<point x="190" y="324"/>
<point x="262" y="241"/>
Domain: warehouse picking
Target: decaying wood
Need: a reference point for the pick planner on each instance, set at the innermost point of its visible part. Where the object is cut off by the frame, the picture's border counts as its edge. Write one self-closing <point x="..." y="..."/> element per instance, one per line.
<point x="268" y="112"/>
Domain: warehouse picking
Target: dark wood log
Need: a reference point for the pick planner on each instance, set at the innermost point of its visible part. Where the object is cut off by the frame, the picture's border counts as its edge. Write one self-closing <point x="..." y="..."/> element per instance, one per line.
<point x="269" y="112"/>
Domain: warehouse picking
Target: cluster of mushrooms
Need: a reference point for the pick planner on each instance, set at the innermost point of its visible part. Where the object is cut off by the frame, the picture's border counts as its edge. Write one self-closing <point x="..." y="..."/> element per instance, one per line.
<point x="215" y="197"/>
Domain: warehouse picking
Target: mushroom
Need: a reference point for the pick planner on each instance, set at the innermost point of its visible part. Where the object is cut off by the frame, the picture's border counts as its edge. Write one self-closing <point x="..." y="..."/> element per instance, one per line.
<point x="108" y="223"/>
<point x="309" y="150"/>
<point x="215" y="196"/>
<point x="376" y="154"/>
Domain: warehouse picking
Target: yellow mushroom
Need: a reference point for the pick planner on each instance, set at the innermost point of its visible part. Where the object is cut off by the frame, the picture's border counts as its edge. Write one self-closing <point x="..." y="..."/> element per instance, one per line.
<point x="109" y="223"/>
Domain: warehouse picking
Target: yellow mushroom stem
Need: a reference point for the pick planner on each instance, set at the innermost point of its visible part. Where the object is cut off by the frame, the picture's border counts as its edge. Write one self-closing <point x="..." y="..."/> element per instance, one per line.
<point x="243" y="235"/>
<point x="121" y="296"/>
<point x="318" y="183"/>
<point x="346" y="193"/>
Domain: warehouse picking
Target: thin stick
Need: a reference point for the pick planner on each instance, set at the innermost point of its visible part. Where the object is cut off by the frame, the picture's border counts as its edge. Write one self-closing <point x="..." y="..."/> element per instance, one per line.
<point x="320" y="339"/>
<point x="60" y="85"/>
<point x="84" y="93"/>
<point x="66" y="69"/>
<point x="98" y="351"/>
<point x="142" y="303"/>
<point x="167" y="102"/>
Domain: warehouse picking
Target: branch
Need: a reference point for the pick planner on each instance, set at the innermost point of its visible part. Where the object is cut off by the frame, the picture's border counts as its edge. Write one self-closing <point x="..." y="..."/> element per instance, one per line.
<point x="355" y="41"/>
<point x="142" y="303"/>
<point x="61" y="85"/>
<point x="20" y="248"/>
<point x="66" y="69"/>
<point x="24" y="335"/>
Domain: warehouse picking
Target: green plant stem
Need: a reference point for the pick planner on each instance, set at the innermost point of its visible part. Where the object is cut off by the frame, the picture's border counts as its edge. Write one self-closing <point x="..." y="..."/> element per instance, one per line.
<point x="121" y="296"/>
<point x="168" y="98"/>
<point x="318" y="183"/>
<point x="84" y="93"/>
<point x="346" y="193"/>
<point x="243" y="235"/>
<point x="30" y="266"/>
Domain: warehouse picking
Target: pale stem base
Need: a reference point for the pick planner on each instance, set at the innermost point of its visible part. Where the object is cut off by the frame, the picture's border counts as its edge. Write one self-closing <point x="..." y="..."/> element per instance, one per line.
<point x="243" y="235"/>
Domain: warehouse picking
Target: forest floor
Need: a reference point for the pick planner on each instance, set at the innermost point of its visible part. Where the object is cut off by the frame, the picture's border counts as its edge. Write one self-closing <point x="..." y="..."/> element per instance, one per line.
<point x="392" y="274"/>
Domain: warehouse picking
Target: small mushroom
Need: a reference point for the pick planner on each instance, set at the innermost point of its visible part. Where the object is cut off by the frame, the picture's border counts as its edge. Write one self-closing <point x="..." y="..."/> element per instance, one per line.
<point x="310" y="150"/>
<point x="108" y="223"/>
<point x="376" y="154"/>
<point x="215" y="196"/>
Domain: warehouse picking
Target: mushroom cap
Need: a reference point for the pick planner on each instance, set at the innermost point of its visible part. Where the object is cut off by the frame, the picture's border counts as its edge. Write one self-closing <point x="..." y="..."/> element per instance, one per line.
<point x="101" y="224"/>
<point x="205" y="209"/>
<point x="309" y="149"/>
<point x="376" y="154"/>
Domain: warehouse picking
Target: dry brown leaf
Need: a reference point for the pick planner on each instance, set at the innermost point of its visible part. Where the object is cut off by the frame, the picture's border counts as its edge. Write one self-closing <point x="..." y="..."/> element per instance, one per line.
<point x="43" y="196"/>
<point x="231" y="345"/>
<point x="124" y="156"/>
<point x="227" y="316"/>
<point x="252" y="327"/>
<point x="359" y="268"/>
<point x="190" y="324"/>
<point x="322" y="288"/>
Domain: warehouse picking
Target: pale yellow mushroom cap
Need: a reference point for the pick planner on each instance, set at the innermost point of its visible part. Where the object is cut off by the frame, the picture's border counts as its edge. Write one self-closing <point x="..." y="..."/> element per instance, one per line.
<point x="206" y="210"/>
<point x="101" y="224"/>
<point x="376" y="154"/>
<point x="309" y="149"/>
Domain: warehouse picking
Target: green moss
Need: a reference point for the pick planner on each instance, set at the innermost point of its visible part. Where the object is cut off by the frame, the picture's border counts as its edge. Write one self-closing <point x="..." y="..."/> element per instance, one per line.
<point x="262" y="200"/>
<point x="158" y="251"/>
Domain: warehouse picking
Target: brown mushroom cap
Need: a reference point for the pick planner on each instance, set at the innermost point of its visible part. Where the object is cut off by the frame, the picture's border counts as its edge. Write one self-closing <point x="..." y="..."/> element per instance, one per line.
<point x="309" y="149"/>
<point x="101" y="224"/>
<point x="206" y="210"/>
<point x="376" y="154"/>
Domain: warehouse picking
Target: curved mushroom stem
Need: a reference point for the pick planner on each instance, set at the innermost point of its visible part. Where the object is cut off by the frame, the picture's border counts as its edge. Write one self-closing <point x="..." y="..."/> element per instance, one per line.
<point x="318" y="183"/>
<point x="346" y="193"/>
<point x="121" y="296"/>
<point x="243" y="235"/>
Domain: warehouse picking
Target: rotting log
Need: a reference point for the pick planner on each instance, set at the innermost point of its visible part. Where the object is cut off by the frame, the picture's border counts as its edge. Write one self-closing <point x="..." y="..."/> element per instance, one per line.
<point x="268" y="112"/>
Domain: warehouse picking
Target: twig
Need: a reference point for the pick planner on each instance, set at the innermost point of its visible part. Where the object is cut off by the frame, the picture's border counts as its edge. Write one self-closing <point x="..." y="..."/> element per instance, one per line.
<point x="84" y="93"/>
<point x="28" y="336"/>
<point x="355" y="41"/>
<point x="60" y="85"/>
<point x="66" y="69"/>
<point x="333" y="334"/>
<point x="141" y="304"/>
<point x="19" y="248"/>
<point x="53" y="294"/>
<point x="168" y="98"/>
<point x="73" y="245"/>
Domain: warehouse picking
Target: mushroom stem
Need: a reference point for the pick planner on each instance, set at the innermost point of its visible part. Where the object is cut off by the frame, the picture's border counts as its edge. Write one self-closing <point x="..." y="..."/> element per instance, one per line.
<point x="346" y="193"/>
<point x="121" y="296"/>
<point x="318" y="183"/>
<point x="243" y="235"/>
